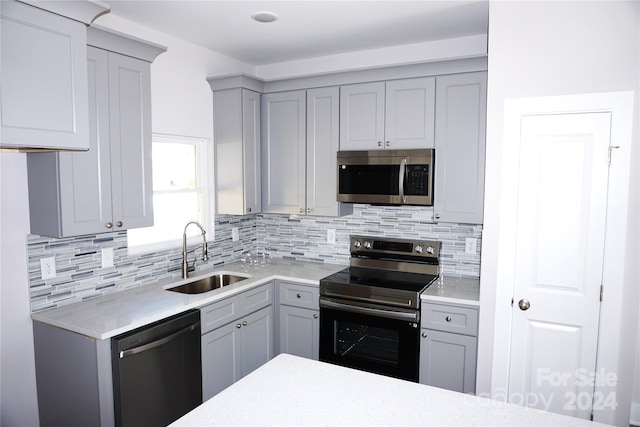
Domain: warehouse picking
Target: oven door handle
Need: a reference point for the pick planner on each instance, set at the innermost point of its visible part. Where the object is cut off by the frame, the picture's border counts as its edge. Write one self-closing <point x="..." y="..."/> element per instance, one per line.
<point x="359" y="309"/>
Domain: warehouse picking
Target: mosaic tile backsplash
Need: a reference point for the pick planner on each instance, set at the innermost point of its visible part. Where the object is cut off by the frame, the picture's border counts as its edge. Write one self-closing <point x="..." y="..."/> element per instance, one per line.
<point x="79" y="275"/>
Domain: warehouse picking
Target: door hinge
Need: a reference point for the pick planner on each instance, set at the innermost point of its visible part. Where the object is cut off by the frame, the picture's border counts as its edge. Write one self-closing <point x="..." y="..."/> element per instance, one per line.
<point x="591" y="418"/>
<point x="611" y="147"/>
<point x="601" y="292"/>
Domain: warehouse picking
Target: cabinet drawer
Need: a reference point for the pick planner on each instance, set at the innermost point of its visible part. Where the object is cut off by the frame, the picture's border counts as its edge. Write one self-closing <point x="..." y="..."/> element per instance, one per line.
<point x="450" y="318"/>
<point x="222" y="312"/>
<point x="299" y="295"/>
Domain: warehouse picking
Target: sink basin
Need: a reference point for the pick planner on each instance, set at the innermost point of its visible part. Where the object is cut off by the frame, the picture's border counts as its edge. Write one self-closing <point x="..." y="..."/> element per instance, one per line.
<point x="208" y="283"/>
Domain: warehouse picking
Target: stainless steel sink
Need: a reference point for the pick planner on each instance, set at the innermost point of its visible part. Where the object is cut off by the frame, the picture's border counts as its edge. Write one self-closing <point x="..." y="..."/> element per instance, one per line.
<point x="208" y="283"/>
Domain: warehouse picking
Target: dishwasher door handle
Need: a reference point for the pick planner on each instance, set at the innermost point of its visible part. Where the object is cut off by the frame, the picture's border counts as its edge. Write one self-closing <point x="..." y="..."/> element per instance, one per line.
<point x="161" y="341"/>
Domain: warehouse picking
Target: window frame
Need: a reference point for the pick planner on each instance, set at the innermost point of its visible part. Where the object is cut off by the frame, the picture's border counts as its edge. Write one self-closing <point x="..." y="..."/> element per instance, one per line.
<point x="205" y="185"/>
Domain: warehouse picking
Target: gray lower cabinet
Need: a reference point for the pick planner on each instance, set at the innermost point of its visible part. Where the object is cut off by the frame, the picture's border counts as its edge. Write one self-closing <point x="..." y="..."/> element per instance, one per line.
<point x="237" y="338"/>
<point x="74" y="378"/>
<point x="460" y="122"/>
<point x="109" y="187"/>
<point x="299" y="323"/>
<point x="300" y="137"/>
<point x="448" y="347"/>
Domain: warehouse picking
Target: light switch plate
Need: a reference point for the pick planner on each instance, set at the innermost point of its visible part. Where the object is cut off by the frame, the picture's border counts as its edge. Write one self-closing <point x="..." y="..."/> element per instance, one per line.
<point x="331" y="236"/>
<point x="107" y="257"/>
<point x="235" y="234"/>
<point x="48" y="268"/>
<point x="471" y="245"/>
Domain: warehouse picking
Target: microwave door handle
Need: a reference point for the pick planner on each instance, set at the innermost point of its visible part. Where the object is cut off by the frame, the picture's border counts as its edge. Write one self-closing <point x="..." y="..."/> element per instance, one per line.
<point x="401" y="178"/>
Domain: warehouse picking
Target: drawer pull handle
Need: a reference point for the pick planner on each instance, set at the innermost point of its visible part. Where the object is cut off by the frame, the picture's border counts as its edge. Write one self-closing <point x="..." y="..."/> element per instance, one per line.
<point x="298" y="296"/>
<point x="238" y="326"/>
<point x="244" y="323"/>
<point x="424" y="335"/>
<point x="315" y="316"/>
<point x="448" y="318"/>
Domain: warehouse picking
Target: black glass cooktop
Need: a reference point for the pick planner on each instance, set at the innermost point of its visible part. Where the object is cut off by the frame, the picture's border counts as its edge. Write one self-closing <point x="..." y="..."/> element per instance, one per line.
<point x="405" y="281"/>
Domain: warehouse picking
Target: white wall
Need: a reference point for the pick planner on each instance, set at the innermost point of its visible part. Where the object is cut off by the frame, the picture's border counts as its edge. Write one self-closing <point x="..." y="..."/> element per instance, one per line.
<point x="544" y="48"/>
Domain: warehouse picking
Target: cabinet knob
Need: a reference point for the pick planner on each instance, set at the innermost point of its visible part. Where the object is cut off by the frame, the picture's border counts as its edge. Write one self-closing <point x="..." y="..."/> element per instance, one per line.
<point x="379" y="143"/>
<point x="109" y="225"/>
<point x="424" y="335"/>
<point x="298" y="296"/>
<point x="238" y="326"/>
<point x="524" y="304"/>
<point x="300" y="210"/>
<point x="448" y="318"/>
<point x="308" y="210"/>
<point x="437" y="216"/>
<point x="249" y="210"/>
<point x="387" y="143"/>
<point x="119" y="224"/>
<point x="315" y="316"/>
<point x="244" y="323"/>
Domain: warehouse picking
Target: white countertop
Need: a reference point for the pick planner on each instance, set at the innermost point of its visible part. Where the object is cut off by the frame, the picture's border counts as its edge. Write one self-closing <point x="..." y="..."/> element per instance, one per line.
<point x="455" y="290"/>
<point x="292" y="391"/>
<point x="113" y="314"/>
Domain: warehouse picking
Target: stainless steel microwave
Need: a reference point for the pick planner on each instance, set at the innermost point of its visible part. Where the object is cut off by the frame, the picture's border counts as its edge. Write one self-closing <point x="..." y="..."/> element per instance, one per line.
<point x="388" y="177"/>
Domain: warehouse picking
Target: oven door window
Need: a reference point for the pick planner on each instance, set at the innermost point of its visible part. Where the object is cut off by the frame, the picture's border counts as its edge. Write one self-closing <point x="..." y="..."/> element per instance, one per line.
<point x="375" y="344"/>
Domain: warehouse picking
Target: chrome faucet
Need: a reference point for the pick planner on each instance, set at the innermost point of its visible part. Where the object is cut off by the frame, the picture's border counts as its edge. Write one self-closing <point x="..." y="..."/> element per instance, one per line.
<point x="185" y="262"/>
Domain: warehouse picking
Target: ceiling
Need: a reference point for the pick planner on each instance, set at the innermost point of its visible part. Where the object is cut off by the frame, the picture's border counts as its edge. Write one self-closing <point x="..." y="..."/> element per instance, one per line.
<point x="305" y="28"/>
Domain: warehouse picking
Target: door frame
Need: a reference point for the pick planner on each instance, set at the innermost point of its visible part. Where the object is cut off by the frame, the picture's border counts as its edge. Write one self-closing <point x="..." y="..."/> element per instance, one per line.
<point x="619" y="302"/>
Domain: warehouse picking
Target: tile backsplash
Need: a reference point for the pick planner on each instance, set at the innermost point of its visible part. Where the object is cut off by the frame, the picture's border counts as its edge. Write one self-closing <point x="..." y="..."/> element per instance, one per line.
<point x="79" y="274"/>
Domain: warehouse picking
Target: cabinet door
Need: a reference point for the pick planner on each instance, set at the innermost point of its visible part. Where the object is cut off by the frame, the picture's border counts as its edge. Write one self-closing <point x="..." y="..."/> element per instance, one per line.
<point x="283" y="152"/>
<point x="256" y="340"/>
<point x="448" y="360"/>
<point x="130" y="127"/>
<point x="362" y="116"/>
<point x="236" y="125"/>
<point x="410" y="112"/>
<point x="85" y="177"/>
<point x="221" y="363"/>
<point x="251" y="151"/>
<point x="44" y="79"/>
<point x="322" y="145"/>
<point x="461" y="102"/>
<point x="299" y="332"/>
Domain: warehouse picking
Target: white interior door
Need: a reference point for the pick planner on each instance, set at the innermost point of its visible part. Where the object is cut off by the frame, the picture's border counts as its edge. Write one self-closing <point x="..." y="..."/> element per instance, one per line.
<point x="561" y="215"/>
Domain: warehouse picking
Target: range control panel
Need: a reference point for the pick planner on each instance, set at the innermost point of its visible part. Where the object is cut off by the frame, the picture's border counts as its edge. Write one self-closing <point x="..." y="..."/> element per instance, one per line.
<point x="363" y="246"/>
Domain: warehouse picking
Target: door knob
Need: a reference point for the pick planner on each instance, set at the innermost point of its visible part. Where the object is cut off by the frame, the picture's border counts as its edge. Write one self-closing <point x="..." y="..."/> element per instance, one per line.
<point x="524" y="304"/>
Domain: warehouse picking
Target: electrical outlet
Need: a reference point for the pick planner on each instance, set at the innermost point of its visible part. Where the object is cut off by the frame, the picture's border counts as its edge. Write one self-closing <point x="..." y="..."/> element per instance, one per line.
<point x="471" y="245"/>
<point x="107" y="257"/>
<point x="235" y="234"/>
<point x="331" y="236"/>
<point x="48" y="268"/>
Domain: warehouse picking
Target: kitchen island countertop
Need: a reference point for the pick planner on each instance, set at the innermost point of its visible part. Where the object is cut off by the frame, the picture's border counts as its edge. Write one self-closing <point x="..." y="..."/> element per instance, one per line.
<point x="292" y="391"/>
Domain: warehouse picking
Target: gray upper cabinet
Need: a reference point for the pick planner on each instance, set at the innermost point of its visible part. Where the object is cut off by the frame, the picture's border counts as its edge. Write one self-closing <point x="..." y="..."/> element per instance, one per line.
<point x="236" y="121"/>
<point x="300" y="131"/>
<point x="43" y="80"/>
<point x="461" y="101"/>
<point x="108" y="187"/>
<point x="398" y="114"/>
<point x="283" y="152"/>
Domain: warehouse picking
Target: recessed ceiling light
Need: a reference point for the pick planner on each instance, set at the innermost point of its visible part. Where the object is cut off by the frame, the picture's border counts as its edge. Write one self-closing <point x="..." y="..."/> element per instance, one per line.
<point x="264" y="16"/>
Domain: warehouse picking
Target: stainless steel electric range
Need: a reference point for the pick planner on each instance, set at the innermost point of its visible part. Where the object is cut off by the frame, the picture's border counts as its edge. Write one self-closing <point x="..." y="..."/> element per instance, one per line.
<point x="370" y="311"/>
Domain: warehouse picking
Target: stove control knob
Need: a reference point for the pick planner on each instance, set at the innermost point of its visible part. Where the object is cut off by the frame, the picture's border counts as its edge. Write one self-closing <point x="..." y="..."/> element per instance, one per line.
<point x="367" y="245"/>
<point x="356" y="243"/>
<point x="430" y="250"/>
<point x="418" y="249"/>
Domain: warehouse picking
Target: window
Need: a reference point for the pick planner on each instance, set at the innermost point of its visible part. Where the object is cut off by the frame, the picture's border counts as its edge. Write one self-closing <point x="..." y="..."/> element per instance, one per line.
<point x="182" y="192"/>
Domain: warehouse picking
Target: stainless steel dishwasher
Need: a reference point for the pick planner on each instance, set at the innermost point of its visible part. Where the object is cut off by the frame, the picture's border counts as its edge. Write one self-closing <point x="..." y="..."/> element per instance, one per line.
<point x="157" y="371"/>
